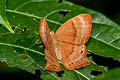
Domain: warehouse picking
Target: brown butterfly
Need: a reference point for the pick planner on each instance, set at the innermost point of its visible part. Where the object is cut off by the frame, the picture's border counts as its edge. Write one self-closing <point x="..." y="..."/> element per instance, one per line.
<point x="68" y="44"/>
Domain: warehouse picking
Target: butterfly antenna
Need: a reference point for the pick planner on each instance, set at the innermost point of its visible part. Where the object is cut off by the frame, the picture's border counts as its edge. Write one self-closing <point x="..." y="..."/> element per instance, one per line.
<point x="57" y="24"/>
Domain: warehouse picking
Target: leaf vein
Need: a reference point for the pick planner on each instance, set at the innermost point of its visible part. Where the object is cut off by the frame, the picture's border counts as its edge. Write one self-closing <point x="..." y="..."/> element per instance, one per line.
<point x="30" y="15"/>
<point x="114" y="40"/>
<point x="106" y="43"/>
<point x="43" y="68"/>
<point x="22" y="5"/>
<point x="35" y="52"/>
<point x="98" y="34"/>
<point x="55" y="12"/>
<point x="82" y="74"/>
<point x="28" y="56"/>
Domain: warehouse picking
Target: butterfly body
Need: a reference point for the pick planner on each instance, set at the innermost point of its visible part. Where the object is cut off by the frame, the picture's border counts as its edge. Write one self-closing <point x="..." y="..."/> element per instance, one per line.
<point x="67" y="44"/>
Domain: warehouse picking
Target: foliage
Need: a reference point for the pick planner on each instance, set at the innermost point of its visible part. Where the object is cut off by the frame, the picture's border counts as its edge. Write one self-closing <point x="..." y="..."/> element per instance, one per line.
<point x="25" y="50"/>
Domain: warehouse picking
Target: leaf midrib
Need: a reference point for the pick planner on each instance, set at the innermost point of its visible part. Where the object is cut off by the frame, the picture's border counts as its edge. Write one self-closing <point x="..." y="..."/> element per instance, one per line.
<point x="30" y="15"/>
<point x="17" y="12"/>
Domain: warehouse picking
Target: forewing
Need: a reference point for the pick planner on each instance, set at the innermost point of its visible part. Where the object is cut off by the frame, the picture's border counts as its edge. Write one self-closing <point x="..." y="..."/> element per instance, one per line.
<point x="50" y="56"/>
<point x="76" y="30"/>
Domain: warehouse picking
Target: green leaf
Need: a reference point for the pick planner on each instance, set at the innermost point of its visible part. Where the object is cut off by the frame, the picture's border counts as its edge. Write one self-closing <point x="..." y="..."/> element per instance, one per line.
<point x="51" y="14"/>
<point x="3" y="18"/>
<point x="105" y="41"/>
<point x="25" y="50"/>
<point x="113" y="74"/>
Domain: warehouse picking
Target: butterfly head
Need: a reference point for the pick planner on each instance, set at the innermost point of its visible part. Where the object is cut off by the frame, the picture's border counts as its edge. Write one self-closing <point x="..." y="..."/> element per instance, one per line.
<point x="52" y="34"/>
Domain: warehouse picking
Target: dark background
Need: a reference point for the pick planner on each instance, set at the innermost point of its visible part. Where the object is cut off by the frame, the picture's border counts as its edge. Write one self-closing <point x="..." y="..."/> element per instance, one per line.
<point x="110" y="8"/>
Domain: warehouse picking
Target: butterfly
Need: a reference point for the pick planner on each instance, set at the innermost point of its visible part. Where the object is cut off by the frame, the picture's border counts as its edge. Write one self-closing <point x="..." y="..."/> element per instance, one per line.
<point x="67" y="44"/>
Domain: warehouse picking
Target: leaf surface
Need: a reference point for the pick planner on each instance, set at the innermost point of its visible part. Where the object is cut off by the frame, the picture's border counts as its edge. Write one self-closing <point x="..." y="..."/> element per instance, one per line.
<point x="25" y="49"/>
<point x="110" y="76"/>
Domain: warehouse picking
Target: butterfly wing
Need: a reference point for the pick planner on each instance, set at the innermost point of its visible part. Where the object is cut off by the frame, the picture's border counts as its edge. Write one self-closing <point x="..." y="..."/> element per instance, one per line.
<point x="74" y="56"/>
<point x="50" y="56"/>
<point x="73" y="34"/>
<point x="76" y="30"/>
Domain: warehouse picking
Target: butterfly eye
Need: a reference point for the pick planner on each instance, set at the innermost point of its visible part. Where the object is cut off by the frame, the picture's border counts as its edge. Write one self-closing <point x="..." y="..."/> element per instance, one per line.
<point x="82" y="52"/>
